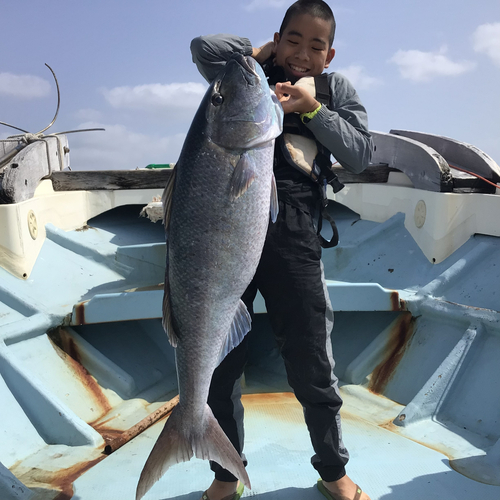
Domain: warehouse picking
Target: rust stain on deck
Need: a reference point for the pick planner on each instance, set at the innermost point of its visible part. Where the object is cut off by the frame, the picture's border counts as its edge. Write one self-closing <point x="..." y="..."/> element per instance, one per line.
<point x="269" y="398"/>
<point x="67" y="349"/>
<point x="65" y="478"/>
<point x="108" y="434"/>
<point x="395" y="349"/>
<point x="57" y="484"/>
<point x="79" y="313"/>
<point x="395" y="301"/>
<point x="279" y="406"/>
<point x="397" y="304"/>
<point x="444" y="450"/>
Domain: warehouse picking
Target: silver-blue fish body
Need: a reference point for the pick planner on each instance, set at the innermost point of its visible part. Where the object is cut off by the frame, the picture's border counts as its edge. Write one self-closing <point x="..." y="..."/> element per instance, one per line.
<point x="216" y="222"/>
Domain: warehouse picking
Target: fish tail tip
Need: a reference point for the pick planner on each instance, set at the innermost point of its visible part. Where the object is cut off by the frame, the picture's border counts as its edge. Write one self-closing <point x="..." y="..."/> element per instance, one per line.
<point x="215" y="445"/>
<point x="145" y="483"/>
<point x="170" y="448"/>
<point x="243" y="477"/>
<point x="140" y="492"/>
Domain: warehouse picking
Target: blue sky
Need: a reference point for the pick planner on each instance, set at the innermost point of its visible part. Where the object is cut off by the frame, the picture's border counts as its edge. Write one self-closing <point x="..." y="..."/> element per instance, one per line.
<point x="431" y="66"/>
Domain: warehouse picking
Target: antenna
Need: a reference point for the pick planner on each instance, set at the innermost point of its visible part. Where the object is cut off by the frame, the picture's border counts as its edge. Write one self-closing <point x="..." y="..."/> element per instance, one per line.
<point x="58" y="102"/>
<point x="40" y="134"/>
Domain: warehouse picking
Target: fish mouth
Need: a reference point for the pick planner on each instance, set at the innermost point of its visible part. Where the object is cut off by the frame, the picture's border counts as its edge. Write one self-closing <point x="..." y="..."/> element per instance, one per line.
<point x="248" y="64"/>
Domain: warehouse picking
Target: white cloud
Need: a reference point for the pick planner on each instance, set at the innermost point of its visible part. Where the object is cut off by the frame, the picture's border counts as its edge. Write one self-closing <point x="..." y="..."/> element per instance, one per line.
<point x="121" y="148"/>
<point x="421" y="66"/>
<point x="23" y="86"/>
<point x="265" y="4"/>
<point x="486" y="39"/>
<point x="358" y="77"/>
<point x="155" y="96"/>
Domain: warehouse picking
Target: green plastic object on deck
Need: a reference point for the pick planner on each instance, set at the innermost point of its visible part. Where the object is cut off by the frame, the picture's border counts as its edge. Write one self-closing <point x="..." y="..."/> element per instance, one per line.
<point x="160" y="165"/>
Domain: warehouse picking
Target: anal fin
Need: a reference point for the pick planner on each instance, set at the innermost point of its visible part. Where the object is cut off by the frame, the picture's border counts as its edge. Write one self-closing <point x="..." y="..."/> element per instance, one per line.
<point x="240" y="326"/>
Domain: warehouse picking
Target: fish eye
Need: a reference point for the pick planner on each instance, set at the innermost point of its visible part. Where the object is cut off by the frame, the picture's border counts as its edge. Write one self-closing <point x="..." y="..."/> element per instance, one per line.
<point x="217" y="99"/>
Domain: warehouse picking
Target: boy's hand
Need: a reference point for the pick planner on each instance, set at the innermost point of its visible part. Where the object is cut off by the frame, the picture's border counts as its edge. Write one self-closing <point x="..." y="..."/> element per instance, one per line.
<point x="295" y="99"/>
<point x="261" y="54"/>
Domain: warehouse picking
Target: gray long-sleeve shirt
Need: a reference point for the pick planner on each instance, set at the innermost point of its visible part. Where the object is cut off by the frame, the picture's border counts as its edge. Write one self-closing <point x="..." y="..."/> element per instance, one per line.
<point x="342" y="127"/>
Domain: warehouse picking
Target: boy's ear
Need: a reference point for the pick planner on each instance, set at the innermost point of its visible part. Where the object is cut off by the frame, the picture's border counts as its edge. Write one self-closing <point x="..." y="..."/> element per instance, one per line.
<point x="329" y="57"/>
<point x="276" y="39"/>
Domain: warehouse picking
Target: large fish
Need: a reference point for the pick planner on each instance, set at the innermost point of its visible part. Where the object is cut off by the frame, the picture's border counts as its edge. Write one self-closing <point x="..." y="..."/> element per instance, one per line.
<point x="217" y="208"/>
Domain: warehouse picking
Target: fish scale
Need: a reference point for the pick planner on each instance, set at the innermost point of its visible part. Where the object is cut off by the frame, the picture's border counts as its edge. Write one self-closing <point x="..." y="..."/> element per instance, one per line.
<point x="229" y="267"/>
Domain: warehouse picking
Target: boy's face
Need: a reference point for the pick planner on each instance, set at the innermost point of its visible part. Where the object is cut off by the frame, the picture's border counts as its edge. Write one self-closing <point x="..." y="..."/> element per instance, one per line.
<point x="304" y="48"/>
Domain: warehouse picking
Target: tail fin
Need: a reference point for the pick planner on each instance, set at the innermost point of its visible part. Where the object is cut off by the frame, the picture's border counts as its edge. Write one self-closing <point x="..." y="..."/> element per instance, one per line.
<point x="174" y="445"/>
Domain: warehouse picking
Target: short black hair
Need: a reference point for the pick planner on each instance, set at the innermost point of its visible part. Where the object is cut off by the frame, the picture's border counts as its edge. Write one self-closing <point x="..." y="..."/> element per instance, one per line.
<point x="314" y="8"/>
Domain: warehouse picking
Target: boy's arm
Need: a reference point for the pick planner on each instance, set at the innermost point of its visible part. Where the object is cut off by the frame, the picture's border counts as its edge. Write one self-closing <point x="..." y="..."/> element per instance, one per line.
<point x="343" y="129"/>
<point x="210" y="53"/>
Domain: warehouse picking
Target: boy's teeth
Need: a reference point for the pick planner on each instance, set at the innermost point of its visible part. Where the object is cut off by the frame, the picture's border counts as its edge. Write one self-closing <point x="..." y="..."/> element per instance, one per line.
<point x="296" y="68"/>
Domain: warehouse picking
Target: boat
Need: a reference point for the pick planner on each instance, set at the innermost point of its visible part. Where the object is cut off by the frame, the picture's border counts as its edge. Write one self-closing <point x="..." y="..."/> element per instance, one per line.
<point x="87" y="376"/>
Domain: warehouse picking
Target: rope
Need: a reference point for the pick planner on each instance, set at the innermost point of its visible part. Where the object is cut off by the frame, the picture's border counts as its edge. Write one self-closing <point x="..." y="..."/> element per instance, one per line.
<point x="474" y="174"/>
<point x="30" y="138"/>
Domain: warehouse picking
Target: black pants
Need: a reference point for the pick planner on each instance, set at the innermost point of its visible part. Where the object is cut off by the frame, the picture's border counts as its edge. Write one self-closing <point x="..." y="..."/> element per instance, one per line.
<point x="291" y="280"/>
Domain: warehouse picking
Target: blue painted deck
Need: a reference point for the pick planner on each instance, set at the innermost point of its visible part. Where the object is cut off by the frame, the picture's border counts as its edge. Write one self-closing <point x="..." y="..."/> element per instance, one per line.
<point x="416" y="344"/>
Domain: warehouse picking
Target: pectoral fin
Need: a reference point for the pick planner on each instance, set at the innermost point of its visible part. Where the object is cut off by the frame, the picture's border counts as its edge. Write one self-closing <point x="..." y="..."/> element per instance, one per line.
<point x="167" y="198"/>
<point x="167" y="311"/>
<point x="243" y="176"/>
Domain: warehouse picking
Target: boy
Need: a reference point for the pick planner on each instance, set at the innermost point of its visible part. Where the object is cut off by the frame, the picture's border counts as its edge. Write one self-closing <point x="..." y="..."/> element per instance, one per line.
<point x="290" y="274"/>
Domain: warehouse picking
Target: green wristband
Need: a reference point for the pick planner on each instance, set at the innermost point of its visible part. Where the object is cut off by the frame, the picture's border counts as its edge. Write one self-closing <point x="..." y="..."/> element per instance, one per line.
<point x="307" y="117"/>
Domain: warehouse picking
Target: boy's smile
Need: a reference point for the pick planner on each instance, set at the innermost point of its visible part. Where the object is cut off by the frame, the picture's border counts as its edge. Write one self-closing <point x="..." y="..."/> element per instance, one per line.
<point x="304" y="48"/>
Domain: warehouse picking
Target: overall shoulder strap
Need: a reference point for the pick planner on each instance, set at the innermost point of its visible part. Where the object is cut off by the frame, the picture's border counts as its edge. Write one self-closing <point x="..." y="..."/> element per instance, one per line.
<point x="322" y="89"/>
